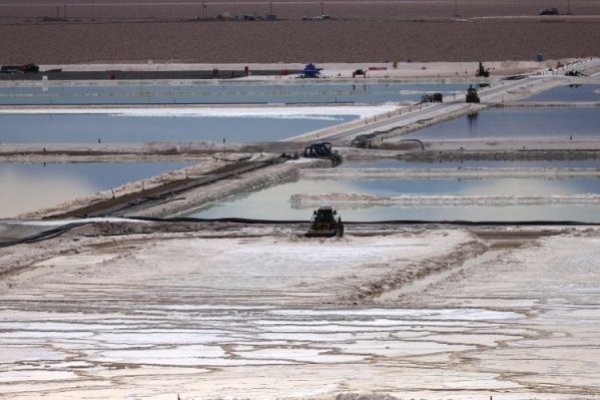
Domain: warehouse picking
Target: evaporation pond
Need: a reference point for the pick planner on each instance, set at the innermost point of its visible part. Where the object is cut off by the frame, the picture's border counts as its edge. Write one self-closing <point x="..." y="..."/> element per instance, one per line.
<point x="404" y="164"/>
<point x="274" y="202"/>
<point x="147" y="92"/>
<point x="124" y="128"/>
<point x="540" y="123"/>
<point x="573" y="92"/>
<point x="28" y="187"/>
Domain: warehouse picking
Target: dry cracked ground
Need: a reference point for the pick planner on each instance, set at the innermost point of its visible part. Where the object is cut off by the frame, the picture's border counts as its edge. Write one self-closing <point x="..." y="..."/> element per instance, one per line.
<point x="264" y="313"/>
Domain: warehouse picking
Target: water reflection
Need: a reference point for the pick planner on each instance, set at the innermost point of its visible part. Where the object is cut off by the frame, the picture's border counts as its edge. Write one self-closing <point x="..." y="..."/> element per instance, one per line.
<point x="223" y="92"/>
<point x="402" y="164"/>
<point x="539" y="122"/>
<point x="28" y="187"/>
<point x="472" y="119"/>
<point x="90" y="128"/>
<point x="273" y="203"/>
<point x="573" y="92"/>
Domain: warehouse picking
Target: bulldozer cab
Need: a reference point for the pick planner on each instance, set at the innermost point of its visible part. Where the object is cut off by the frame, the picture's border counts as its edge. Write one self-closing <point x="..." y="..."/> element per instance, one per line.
<point x="324" y="215"/>
<point x="325" y="223"/>
<point x="472" y="95"/>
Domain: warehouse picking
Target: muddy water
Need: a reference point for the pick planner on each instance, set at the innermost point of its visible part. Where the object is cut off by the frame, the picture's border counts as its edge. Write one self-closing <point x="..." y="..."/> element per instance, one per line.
<point x="534" y="123"/>
<point x="221" y="93"/>
<point x="27" y="187"/>
<point x="107" y="128"/>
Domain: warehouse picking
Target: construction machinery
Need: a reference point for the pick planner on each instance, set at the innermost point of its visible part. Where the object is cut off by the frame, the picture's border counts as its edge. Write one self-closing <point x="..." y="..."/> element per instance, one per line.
<point x="323" y="150"/>
<point x="482" y="71"/>
<point x="322" y="17"/>
<point x="432" y="98"/>
<point x="549" y="11"/>
<point x="357" y="72"/>
<point x="574" y="72"/>
<point x="363" y="141"/>
<point x="472" y="95"/>
<point x="22" y="69"/>
<point x="325" y="223"/>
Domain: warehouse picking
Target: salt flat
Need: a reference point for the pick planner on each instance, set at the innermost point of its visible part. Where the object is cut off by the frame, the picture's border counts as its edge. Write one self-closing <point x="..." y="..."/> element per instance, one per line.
<point x="264" y="313"/>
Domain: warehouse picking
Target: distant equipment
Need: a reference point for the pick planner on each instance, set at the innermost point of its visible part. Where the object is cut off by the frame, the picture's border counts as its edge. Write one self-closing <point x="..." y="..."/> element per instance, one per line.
<point x="323" y="150"/>
<point x="549" y="11"/>
<point x="482" y="72"/>
<point x="574" y="72"/>
<point x="432" y="98"/>
<point x="363" y="141"/>
<point x="325" y="223"/>
<point x="317" y="18"/>
<point x="315" y="150"/>
<point x="19" y="69"/>
<point x="311" y="71"/>
<point x="472" y="95"/>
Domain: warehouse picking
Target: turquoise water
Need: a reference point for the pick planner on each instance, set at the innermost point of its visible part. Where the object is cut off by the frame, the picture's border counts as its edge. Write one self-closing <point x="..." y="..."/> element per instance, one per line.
<point x="89" y="128"/>
<point x="224" y="92"/>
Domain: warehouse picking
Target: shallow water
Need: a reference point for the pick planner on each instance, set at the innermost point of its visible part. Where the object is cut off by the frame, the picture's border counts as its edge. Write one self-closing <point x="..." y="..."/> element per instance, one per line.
<point x="27" y="187"/>
<point x="539" y="122"/>
<point x="572" y="92"/>
<point x="223" y="92"/>
<point x="274" y="202"/>
<point x="403" y="164"/>
<point x="89" y="128"/>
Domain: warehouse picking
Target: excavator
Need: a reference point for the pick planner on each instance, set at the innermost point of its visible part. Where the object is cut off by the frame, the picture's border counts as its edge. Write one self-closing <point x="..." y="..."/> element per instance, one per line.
<point x="323" y="150"/>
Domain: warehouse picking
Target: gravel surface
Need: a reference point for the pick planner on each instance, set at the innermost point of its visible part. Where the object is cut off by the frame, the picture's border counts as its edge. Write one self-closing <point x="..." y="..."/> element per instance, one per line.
<point x="289" y="9"/>
<point x="424" y="31"/>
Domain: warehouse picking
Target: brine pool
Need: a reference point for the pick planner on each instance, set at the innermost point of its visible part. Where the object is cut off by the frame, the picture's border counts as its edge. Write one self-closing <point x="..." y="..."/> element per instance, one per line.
<point x="404" y="164"/>
<point x="28" y="187"/>
<point x="126" y="128"/>
<point x="572" y="92"/>
<point x="556" y="123"/>
<point x="276" y="202"/>
<point x="147" y="92"/>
